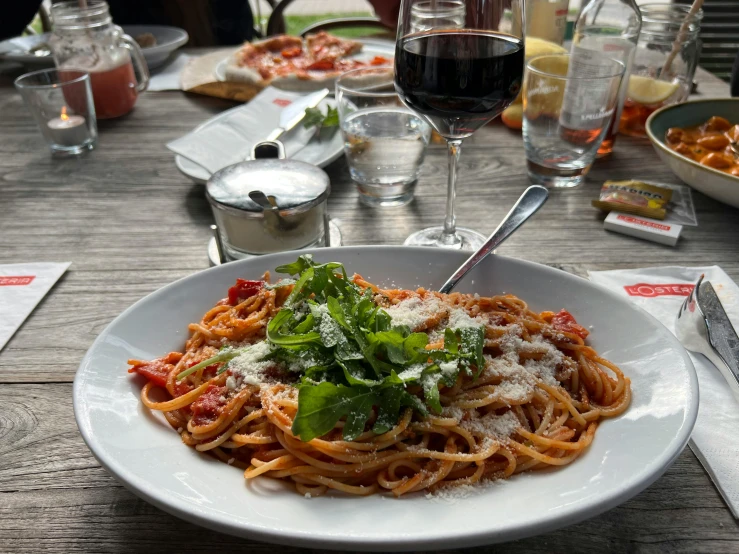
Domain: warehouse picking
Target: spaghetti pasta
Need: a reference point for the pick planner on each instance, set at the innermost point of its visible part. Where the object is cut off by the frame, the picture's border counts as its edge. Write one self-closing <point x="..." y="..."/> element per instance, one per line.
<point x="530" y="398"/>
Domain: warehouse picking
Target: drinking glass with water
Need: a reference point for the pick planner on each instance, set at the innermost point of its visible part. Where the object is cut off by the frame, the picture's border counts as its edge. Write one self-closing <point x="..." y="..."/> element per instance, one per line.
<point x="384" y="141"/>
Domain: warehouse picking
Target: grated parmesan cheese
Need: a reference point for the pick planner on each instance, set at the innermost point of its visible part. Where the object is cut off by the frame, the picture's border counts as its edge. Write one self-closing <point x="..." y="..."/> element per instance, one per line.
<point x="248" y="367"/>
<point x="415" y="311"/>
<point x="499" y="427"/>
<point x="448" y="368"/>
<point x="412" y="372"/>
<point x="460" y="319"/>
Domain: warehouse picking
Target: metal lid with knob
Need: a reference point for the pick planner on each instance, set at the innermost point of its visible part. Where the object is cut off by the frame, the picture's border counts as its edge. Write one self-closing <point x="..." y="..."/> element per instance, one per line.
<point x="289" y="185"/>
<point x="268" y="203"/>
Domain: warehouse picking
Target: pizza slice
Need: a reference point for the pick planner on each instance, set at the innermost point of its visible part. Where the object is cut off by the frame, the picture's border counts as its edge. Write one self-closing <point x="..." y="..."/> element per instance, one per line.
<point x="323" y="46"/>
<point x="289" y="63"/>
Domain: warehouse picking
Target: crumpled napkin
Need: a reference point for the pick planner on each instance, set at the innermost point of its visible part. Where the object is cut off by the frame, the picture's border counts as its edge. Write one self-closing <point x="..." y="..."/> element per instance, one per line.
<point x="232" y="138"/>
<point x="22" y="286"/>
<point x="661" y="291"/>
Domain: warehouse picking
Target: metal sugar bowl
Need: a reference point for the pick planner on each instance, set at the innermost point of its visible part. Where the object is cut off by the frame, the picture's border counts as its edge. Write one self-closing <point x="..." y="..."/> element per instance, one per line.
<point x="270" y="204"/>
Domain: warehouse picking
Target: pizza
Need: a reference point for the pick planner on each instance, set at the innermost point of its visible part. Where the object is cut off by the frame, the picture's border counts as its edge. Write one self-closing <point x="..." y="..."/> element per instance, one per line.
<point x="293" y="63"/>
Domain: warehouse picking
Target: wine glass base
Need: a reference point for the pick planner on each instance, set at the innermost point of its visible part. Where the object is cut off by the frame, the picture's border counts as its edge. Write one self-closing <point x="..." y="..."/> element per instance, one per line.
<point x="466" y="239"/>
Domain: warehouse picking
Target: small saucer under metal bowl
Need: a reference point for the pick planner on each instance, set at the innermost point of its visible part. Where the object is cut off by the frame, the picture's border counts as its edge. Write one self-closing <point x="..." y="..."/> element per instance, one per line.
<point x="335" y="239"/>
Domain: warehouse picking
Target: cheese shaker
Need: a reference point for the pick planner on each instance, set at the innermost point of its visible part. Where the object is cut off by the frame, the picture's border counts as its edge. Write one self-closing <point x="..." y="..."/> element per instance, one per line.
<point x="269" y="204"/>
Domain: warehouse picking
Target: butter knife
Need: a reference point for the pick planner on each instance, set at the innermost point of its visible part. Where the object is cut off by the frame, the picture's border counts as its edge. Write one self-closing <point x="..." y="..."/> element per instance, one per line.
<point x="703" y="326"/>
<point x="295" y="112"/>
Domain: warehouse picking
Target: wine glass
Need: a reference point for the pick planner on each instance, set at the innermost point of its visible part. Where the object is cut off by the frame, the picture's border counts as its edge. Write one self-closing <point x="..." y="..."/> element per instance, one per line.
<point x="458" y="79"/>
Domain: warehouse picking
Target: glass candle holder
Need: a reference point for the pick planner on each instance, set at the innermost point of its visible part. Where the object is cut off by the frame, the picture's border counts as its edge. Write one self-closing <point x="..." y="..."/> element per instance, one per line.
<point x="63" y="109"/>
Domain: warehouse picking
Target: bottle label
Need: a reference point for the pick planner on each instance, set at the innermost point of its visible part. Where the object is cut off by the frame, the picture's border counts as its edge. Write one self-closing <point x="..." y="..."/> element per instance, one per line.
<point x="587" y="102"/>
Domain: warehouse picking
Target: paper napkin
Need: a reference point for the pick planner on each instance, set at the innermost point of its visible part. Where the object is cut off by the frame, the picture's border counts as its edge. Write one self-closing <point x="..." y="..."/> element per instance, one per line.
<point x="232" y="138"/>
<point x="22" y="286"/>
<point x="661" y="291"/>
<point x="168" y="77"/>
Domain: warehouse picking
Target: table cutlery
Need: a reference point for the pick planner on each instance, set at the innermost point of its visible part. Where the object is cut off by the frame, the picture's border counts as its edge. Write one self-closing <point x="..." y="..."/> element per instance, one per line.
<point x="703" y="326"/>
<point x="295" y="112"/>
<point x="527" y="205"/>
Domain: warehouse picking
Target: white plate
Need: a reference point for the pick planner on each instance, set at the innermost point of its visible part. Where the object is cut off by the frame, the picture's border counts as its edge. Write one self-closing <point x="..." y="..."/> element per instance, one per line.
<point x="627" y="454"/>
<point x="370" y="49"/>
<point x="16" y="50"/>
<point x="169" y="39"/>
<point x="317" y="152"/>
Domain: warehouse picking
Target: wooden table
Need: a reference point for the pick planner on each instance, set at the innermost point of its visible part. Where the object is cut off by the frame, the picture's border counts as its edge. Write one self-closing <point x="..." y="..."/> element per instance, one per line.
<point x="130" y="223"/>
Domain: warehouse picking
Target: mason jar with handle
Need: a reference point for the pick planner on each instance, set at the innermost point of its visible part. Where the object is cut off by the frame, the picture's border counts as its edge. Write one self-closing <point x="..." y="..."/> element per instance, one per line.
<point x="86" y="40"/>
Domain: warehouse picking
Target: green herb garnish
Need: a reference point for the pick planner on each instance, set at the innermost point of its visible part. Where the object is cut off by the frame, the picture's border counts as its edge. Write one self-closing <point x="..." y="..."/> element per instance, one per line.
<point x="352" y="359"/>
<point x="314" y="117"/>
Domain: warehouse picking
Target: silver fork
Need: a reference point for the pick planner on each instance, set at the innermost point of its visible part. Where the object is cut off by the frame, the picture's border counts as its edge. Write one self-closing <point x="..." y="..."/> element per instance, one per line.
<point x="703" y="326"/>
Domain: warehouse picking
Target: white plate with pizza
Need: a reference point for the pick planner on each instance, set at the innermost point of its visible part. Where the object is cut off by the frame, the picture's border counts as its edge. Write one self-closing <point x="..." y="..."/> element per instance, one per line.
<point x="302" y="64"/>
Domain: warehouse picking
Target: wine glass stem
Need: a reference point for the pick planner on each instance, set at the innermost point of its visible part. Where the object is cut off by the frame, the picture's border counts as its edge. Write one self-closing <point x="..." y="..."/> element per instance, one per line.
<point x="449" y="236"/>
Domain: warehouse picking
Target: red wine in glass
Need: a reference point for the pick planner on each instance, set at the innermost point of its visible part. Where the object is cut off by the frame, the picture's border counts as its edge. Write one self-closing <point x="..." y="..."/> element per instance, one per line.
<point x="459" y="79"/>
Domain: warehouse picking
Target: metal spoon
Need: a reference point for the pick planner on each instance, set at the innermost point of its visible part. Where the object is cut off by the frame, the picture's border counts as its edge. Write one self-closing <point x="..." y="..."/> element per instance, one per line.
<point x="527" y="205"/>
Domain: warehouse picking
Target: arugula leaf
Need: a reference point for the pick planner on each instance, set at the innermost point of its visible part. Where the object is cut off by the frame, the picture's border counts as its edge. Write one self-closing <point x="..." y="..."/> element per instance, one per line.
<point x="285" y="339"/>
<point x="298" y="266"/>
<point x="351" y="356"/>
<point x="430" y="382"/>
<point x="321" y="406"/>
<point x="314" y="117"/>
<point x="222" y="356"/>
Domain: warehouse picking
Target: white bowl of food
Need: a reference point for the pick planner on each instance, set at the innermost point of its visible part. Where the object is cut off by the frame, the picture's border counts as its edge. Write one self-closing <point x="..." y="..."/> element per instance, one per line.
<point x="693" y="139"/>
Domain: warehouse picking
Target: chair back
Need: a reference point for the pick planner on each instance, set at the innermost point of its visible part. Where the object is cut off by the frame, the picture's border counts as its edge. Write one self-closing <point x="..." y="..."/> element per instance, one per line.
<point x="719" y="35"/>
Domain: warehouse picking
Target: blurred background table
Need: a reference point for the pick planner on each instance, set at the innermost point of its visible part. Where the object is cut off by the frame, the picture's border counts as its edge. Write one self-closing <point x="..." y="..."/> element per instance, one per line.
<point x="130" y="223"/>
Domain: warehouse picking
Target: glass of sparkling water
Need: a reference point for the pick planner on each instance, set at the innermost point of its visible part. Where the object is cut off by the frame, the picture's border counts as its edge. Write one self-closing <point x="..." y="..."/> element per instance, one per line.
<point x="568" y="105"/>
<point x="384" y="141"/>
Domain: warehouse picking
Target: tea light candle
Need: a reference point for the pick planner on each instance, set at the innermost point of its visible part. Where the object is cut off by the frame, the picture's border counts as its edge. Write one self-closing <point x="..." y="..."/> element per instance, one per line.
<point x="68" y="130"/>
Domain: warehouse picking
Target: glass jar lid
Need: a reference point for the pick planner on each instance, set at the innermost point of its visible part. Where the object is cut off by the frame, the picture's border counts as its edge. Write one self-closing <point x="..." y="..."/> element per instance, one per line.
<point x="289" y="185"/>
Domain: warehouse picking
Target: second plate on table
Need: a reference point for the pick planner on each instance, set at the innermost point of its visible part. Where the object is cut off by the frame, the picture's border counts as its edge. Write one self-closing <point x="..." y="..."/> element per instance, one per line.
<point x="33" y="51"/>
<point x="317" y="152"/>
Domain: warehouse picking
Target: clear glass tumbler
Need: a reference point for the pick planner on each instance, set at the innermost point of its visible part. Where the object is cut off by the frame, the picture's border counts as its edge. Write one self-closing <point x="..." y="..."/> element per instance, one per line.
<point x="434" y="14"/>
<point x="561" y="130"/>
<point x="384" y="141"/>
<point x="664" y="64"/>
<point x="63" y="108"/>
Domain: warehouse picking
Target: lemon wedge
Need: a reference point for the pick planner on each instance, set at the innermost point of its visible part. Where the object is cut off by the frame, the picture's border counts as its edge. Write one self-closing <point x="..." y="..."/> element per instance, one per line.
<point x="537" y="46"/>
<point x="647" y="91"/>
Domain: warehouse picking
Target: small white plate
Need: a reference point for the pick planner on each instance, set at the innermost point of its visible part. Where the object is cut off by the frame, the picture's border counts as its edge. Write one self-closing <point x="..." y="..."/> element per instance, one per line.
<point x="371" y="48"/>
<point x="316" y="152"/>
<point x="628" y="453"/>
<point x="169" y="39"/>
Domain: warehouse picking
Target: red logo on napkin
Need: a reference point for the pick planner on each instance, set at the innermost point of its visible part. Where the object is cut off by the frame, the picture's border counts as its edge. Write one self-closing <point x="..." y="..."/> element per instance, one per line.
<point x="650" y="291"/>
<point x="11" y="280"/>
<point x="282" y="102"/>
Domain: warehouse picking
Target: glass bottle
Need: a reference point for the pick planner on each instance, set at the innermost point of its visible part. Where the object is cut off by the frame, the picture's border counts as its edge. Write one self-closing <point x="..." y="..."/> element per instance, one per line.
<point x="606" y="28"/>
<point x="547" y="19"/>
<point x="86" y="40"/>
